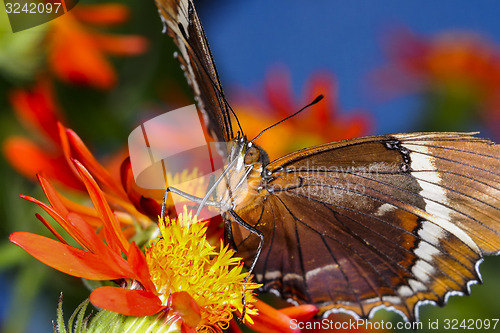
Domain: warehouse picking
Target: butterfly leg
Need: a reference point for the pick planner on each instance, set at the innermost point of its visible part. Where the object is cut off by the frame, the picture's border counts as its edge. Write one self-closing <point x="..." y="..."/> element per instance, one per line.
<point x="228" y="233"/>
<point x="211" y="183"/>
<point x="255" y="231"/>
<point x="184" y="195"/>
<point x="164" y="205"/>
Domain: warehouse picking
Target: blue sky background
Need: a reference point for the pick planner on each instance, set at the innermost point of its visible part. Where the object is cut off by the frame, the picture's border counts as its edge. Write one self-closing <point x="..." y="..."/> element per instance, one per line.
<point x="345" y="37"/>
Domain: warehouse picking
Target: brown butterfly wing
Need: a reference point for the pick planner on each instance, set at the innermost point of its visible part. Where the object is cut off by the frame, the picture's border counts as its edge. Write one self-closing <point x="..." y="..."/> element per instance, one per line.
<point x="387" y="220"/>
<point x="184" y="26"/>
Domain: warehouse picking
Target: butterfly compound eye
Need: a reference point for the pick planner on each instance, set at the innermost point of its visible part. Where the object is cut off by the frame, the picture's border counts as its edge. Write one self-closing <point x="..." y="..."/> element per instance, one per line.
<point x="252" y="155"/>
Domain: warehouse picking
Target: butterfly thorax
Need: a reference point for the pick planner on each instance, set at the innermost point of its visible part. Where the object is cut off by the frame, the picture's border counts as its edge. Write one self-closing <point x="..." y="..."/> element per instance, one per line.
<point x="243" y="183"/>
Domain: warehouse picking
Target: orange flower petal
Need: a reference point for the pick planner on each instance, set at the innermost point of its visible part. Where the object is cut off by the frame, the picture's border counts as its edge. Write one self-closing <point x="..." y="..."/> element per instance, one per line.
<point x="102" y="14"/>
<point x="121" y="45"/>
<point x="72" y="223"/>
<point x="65" y="258"/>
<point x="127" y="302"/>
<point x="146" y="206"/>
<point x="75" y="57"/>
<point x="85" y="236"/>
<point x="29" y="159"/>
<point x="74" y="232"/>
<point x="114" y="235"/>
<point x="66" y="148"/>
<point x="301" y="312"/>
<point x="186" y="307"/>
<point x="53" y="196"/>
<point x="37" y="108"/>
<point x="137" y="261"/>
<point x="270" y="320"/>
<point x="85" y="157"/>
<point x="51" y="228"/>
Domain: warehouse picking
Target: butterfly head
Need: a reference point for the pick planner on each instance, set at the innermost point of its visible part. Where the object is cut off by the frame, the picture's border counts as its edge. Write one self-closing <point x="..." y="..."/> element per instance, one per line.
<point x="245" y="154"/>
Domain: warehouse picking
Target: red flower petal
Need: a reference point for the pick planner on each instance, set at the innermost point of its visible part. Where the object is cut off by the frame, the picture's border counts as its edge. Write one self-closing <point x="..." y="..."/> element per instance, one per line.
<point x="187" y="329"/>
<point x="127" y="302"/>
<point x="233" y="327"/>
<point x="278" y="89"/>
<point x="321" y="113"/>
<point x="65" y="258"/>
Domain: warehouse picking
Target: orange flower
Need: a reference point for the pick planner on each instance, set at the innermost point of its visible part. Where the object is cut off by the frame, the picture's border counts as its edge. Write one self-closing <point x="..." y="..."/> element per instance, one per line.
<point x="77" y="52"/>
<point x="180" y="272"/>
<point x="319" y="124"/>
<point x="459" y="72"/>
<point x="117" y="259"/>
<point x="448" y="58"/>
<point x="100" y="260"/>
<point x="52" y="156"/>
<point x="121" y="211"/>
<point x="39" y="112"/>
<point x="281" y="321"/>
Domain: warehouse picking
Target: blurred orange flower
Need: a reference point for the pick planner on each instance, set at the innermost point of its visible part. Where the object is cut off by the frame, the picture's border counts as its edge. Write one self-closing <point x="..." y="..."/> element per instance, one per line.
<point x="38" y="111"/>
<point x="321" y="123"/>
<point x="457" y="70"/>
<point x="77" y="52"/>
<point x="448" y="58"/>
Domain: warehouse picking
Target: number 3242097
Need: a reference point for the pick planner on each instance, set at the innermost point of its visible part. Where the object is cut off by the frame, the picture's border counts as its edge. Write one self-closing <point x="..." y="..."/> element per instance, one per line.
<point x="470" y="324"/>
<point x="32" y="8"/>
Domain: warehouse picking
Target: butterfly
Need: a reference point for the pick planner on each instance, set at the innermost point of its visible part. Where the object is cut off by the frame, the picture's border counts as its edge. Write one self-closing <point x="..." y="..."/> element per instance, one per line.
<point x="390" y="221"/>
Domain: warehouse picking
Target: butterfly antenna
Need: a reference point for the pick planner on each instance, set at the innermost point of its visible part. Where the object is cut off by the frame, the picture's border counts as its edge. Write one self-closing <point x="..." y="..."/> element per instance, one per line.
<point x="316" y="100"/>
<point x="234" y="114"/>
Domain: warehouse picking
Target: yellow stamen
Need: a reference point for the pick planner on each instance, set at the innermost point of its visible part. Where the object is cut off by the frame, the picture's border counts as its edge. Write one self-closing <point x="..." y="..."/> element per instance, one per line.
<point x="183" y="260"/>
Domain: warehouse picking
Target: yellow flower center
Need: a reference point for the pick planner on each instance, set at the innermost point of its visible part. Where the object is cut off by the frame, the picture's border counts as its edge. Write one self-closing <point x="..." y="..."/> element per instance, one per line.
<point x="183" y="260"/>
<point x="192" y="181"/>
